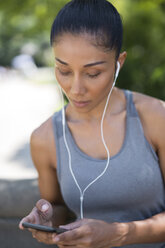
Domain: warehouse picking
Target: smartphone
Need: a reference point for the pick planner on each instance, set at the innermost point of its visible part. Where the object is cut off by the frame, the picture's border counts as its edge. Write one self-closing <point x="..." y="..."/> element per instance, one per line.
<point x="43" y="228"/>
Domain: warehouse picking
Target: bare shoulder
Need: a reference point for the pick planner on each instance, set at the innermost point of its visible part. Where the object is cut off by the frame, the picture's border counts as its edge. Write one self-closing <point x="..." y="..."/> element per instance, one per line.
<point x="42" y="133"/>
<point x="43" y="154"/>
<point x="42" y="142"/>
<point x="152" y="113"/>
<point x="148" y="103"/>
<point x="149" y="106"/>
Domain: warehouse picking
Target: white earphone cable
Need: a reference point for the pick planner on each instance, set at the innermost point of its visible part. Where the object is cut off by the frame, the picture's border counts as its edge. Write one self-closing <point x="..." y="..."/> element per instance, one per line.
<point x="82" y="192"/>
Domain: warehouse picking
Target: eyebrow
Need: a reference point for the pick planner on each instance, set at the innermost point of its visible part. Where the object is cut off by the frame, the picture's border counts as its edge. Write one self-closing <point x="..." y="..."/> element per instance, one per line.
<point x="87" y="65"/>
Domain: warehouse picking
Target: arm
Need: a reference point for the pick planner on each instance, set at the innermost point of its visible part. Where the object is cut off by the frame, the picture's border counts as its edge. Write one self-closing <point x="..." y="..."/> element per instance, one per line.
<point x="152" y="230"/>
<point x="43" y="153"/>
<point x="51" y="210"/>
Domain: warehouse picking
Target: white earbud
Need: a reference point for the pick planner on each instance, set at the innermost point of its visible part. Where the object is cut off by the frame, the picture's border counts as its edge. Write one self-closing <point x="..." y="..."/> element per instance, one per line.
<point x="117" y="70"/>
<point x="117" y="73"/>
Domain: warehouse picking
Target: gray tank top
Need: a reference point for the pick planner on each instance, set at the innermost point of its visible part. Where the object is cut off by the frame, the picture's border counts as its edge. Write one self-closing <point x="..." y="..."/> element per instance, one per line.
<point x="132" y="187"/>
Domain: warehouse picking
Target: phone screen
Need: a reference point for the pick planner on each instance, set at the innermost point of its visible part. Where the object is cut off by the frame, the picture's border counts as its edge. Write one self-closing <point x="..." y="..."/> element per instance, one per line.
<point x="43" y="228"/>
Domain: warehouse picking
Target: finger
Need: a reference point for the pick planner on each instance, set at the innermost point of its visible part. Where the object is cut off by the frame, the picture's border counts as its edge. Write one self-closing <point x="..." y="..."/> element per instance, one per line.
<point x="29" y="218"/>
<point x="44" y="237"/>
<point x="69" y="237"/>
<point x="63" y="246"/>
<point x="45" y="209"/>
<point x="36" y="213"/>
<point x="73" y="225"/>
<point x="66" y="246"/>
<point x="33" y="232"/>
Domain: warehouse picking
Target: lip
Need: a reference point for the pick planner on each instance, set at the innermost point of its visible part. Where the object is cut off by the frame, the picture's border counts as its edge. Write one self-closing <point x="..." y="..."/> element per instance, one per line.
<point x="80" y="104"/>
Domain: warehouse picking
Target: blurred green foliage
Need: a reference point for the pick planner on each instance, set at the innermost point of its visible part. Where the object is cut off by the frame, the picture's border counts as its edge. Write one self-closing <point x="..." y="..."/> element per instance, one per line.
<point x="144" y="41"/>
<point x="26" y="21"/>
<point x="144" y="38"/>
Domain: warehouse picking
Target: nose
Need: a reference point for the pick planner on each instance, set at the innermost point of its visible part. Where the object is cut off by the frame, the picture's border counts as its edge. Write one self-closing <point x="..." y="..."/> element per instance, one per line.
<point x="77" y="86"/>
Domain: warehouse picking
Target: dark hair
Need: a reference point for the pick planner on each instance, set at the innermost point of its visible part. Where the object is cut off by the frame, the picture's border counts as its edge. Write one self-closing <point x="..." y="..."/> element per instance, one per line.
<point x="96" y="17"/>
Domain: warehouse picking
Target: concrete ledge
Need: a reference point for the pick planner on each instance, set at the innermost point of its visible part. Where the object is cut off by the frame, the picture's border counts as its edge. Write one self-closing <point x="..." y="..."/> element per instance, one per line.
<point x="17" y="198"/>
<point x="12" y="237"/>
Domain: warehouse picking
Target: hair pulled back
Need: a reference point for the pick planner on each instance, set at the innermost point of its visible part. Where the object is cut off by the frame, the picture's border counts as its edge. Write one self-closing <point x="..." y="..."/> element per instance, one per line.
<point x="96" y="17"/>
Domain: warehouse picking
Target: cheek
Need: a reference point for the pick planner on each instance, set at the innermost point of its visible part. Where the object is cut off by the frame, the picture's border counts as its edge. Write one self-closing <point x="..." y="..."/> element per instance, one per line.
<point x="103" y="83"/>
<point x="63" y="81"/>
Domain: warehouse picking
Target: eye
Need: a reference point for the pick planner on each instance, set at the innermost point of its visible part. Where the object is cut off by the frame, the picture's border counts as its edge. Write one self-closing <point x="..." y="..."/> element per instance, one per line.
<point x="63" y="73"/>
<point x="94" y="75"/>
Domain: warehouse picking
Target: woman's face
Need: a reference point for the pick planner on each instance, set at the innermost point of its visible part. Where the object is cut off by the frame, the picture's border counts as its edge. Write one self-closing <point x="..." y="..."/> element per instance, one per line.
<point x="84" y="71"/>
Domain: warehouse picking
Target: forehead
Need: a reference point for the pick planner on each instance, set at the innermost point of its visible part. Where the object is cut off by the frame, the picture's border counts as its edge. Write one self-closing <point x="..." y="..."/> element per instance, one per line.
<point x="80" y="47"/>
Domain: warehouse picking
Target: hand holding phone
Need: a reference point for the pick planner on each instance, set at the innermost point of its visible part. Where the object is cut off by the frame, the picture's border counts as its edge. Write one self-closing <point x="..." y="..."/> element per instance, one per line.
<point x="43" y="228"/>
<point x="42" y="214"/>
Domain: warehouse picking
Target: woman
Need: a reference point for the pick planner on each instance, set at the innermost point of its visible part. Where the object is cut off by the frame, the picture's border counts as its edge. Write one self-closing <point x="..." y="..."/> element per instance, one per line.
<point x="102" y="156"/>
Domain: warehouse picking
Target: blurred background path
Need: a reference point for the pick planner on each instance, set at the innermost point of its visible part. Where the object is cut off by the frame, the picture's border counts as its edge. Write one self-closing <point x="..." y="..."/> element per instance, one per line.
<point x="24" y="105"/>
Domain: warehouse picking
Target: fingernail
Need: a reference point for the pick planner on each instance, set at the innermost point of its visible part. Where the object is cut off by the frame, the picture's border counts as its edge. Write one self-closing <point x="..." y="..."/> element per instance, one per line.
<point x="44" y="207"/>
<point x="53" y="236"/>
<point x="56" y="239"/>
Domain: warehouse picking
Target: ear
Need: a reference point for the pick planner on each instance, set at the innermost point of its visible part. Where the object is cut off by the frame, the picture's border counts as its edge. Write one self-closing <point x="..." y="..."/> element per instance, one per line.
<point x="122" y="58"/>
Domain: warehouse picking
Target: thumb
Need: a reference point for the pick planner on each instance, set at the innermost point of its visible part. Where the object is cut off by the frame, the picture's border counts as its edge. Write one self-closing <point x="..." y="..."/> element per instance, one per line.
<point x="73" y="225"/>
<point x="45" y="208"/>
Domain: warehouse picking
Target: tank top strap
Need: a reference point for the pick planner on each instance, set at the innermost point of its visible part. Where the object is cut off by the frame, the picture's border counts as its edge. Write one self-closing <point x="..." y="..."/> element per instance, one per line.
<point x="131" y="110"/>
<point x="135" y="125"/>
